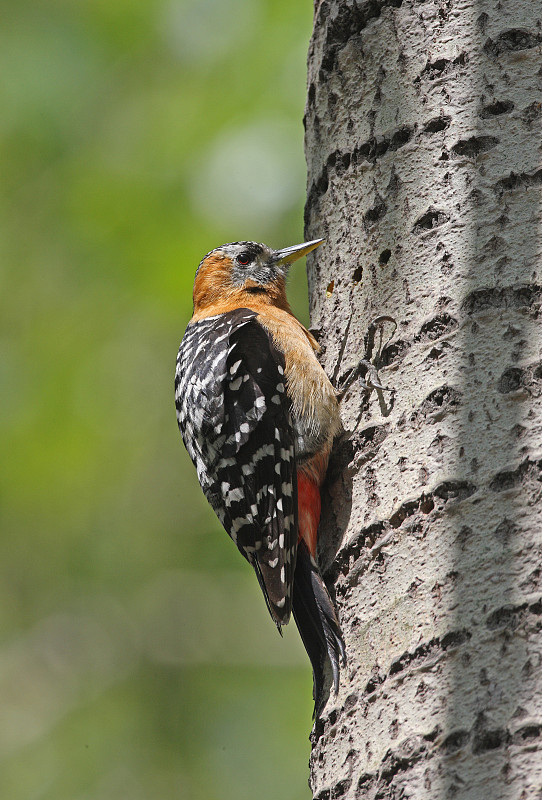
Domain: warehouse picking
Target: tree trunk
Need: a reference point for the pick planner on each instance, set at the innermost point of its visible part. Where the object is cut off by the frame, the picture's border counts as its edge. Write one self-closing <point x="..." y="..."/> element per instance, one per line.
<point x="423" y="142"/>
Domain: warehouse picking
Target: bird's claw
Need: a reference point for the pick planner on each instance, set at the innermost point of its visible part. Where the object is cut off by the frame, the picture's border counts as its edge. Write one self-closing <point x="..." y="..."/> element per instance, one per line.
<point x="372" y="381"/>
<point x="366" y="370"/>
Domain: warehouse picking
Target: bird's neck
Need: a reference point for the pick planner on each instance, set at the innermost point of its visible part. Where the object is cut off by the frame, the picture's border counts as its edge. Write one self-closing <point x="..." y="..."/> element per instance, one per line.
<point x="214" y="294"/>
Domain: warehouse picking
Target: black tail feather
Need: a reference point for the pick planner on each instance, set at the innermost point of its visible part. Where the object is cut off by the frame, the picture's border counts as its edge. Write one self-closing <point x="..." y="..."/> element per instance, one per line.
<point x="317" y="623"/>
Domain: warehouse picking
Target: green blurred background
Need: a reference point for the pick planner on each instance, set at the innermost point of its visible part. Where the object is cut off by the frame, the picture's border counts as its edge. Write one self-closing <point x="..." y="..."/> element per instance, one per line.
<point x="137" y="659"/>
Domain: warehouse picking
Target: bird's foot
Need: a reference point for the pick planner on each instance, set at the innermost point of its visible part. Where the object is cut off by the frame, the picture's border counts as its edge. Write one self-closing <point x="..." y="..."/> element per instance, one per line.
<point x="367" y="368"/>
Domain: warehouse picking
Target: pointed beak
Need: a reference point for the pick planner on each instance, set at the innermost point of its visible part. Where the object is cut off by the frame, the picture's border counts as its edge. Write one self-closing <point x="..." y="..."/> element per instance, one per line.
<point x="290" y="254"/>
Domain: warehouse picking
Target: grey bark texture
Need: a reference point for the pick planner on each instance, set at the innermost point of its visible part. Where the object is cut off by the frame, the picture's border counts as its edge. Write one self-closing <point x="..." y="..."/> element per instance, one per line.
<point x="423" y="143"/>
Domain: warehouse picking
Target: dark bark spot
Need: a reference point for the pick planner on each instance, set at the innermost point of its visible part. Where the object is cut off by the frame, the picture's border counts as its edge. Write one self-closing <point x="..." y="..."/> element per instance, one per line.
<point x="531" y="112"/>
<point x="489" y="740"/>
<point x="520" y="296"/>
<point x="426" y="504"/>
<point x="375" y="147"/>
<point x="401" y="137"/>
<point x="523" y="180"/>
<point x="495" y="244"/>
<point x="338" y="161"/>
<point x="464" y="535"/>
<point x="364" y="539"/>
<point x="375" y="213"/>
<point x="394" y="183"/>
<point x="511" y="41"/>
<point x="447" y="263"/>
<point x="372" y="684"/>
<point x="509" y="479"/>
<point x="518" y="431"/>
<point x="496" y="108"/>
<point x="322" y="184"/>
<point x="409" y="752"/>
<point x="504" y="617"/>
<point x="482" y="21"/>
<point x="381" y="146"/>
<point x="455" y="741"/>
<point x="510" y="380"/>
<point x="342" y="163"/>
<point x="350" y="703"/>
<point x="432" y="735"/>
<point x="454" y="490"/>
<point x="372" y="435"/>
<point x="397" y="666"/>
<point x="527" y="734"/>
<point x="532" y="581"/>
<point x="340" y="789"/>
<point x="437" y="66"/>
<point x="438" y="351"/>
<point x="393" y="352"/>
<point x="440" y="67"/>
<point x="357" y="274"/>
<point x="432" y="218"/>
<point x="349" y="22"/>
<point x="436" y="327"/>
<point x="403" y="512"/>
<point x="472" y="147"/>
<point x="455" y="638"/>
<point x="504" y="531"/>
<point x="437" y="404"/>
<point x="421" y="691"/>
<point x="437" y="124"/>
<point x="366" y="782"/>
<point x="385" y="256"/>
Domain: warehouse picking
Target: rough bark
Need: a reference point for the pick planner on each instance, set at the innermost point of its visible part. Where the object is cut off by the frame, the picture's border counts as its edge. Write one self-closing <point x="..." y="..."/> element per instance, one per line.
<point x="423" y="142"/>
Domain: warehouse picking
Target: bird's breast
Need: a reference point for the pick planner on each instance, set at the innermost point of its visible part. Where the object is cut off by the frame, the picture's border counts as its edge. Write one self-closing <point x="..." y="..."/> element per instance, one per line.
<point x="315" y="410"/>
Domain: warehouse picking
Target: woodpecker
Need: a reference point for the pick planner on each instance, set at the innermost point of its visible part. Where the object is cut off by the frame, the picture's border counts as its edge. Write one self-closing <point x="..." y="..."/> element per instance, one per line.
<point x="258" y="416"/>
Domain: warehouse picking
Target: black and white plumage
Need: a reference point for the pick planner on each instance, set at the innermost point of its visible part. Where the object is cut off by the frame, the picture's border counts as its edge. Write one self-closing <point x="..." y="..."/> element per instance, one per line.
<point x="236" y="424"/>
<point x="258" y="416"/>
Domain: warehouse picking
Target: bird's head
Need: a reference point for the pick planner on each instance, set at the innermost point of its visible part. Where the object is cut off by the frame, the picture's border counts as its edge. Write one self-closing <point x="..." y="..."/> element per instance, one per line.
<point x="242" y="271"/>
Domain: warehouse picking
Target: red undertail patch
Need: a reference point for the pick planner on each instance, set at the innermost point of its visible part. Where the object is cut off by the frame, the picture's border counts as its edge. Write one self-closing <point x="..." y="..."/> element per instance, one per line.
<point x="309" y="507"/>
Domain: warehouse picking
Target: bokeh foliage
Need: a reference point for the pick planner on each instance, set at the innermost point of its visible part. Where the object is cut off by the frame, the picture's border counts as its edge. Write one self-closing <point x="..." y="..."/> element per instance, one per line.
<point x="136" y="658"/>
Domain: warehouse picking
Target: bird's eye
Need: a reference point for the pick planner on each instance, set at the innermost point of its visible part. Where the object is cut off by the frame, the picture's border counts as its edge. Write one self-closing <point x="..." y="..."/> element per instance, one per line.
<point x="243" y="259"/>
